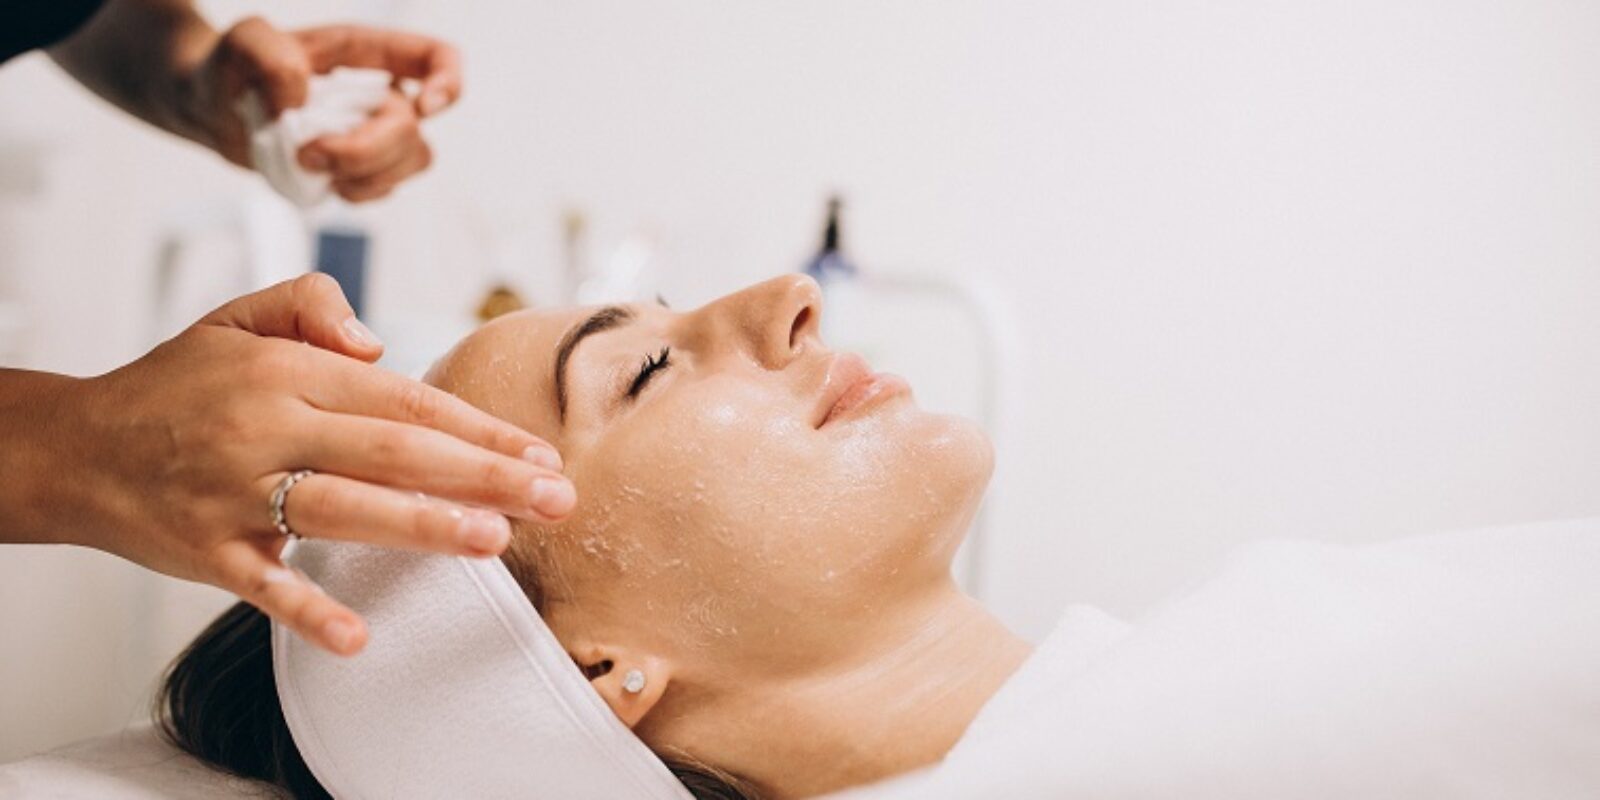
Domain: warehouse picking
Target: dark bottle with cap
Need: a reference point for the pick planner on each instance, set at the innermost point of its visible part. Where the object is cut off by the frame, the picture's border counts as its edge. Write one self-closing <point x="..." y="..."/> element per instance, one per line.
<point x="830" y="263"/>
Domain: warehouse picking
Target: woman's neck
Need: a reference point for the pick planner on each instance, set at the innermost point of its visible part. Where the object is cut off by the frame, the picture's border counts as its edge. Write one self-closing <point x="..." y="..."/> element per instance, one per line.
<point x="902" y="704"/>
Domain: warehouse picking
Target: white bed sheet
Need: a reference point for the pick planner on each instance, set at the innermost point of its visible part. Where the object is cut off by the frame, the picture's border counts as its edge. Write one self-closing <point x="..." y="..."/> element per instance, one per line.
<point x="133" y="764"/>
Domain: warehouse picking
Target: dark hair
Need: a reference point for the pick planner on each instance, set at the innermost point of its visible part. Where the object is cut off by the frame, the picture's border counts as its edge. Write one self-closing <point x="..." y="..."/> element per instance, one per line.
<point x="219" y="703"/>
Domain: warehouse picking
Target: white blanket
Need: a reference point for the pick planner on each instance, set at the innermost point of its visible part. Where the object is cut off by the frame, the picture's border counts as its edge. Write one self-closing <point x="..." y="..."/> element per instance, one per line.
<point x="1456" y="666"/>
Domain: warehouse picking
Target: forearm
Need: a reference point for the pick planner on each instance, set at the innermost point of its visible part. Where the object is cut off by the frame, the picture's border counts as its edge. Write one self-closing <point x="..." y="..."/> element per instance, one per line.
<point x="138" y="54"/>
<point x="34" y="456"/>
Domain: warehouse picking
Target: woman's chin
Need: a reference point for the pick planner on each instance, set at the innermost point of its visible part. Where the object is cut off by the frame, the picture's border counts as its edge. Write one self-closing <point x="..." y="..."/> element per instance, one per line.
<point x="948" y="462"/>
<point x="956" y="445"/>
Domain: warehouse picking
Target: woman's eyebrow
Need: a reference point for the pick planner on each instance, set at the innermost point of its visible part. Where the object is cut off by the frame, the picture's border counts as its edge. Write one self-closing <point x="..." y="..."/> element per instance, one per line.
<point x="602" y="320"/>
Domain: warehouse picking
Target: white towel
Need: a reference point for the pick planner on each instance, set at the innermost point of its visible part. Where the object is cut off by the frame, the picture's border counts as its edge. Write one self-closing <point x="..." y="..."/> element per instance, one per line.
<point x="335" y="103"/>
<point x="1462" y="665"/>
<point x="462" y="690"/>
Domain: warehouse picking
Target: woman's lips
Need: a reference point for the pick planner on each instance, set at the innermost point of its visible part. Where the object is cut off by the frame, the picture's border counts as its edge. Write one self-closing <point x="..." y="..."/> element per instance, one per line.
<point x="852" y="386"/>
<point x="864" y="392"/>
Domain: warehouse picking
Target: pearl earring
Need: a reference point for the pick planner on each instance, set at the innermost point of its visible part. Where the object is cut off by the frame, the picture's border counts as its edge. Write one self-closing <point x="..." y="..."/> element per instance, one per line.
<point x="633" y="682"/>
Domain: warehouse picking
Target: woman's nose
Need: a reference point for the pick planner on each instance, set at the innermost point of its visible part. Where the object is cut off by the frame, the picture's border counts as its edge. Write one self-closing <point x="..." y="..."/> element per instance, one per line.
<point x="776" y="319"/>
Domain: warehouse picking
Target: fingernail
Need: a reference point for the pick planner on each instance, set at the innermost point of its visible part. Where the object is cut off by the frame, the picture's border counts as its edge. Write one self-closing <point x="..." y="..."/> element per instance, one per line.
<point x="340" y="633"/>
<point x="278" y="575"/>
<point x="554" y="497"/>
<point x="314" y="160"/>
<point x="432" y="102"/>
<point x="546" y="457"/>
<point x="360" y="333"/>
<point x="485" y="533"/>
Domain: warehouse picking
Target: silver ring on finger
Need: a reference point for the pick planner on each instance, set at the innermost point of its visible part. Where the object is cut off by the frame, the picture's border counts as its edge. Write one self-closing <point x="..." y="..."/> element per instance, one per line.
<point x="280" y="496"/>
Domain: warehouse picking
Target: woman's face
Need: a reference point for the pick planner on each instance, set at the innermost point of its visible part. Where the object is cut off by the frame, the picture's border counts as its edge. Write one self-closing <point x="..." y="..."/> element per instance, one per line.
<point x="748" y="499"/>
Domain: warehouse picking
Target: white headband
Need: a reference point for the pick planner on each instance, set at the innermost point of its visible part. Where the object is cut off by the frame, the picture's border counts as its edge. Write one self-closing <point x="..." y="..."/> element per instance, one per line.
<point x="462" y="690"/>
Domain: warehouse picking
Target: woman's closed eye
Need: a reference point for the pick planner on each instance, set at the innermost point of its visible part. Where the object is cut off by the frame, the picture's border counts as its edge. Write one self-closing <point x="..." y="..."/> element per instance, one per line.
<point x="647" y="370"/>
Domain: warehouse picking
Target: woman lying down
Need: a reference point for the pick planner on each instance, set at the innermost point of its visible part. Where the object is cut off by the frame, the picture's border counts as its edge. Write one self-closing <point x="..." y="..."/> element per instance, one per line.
<point x="754" y="599"/>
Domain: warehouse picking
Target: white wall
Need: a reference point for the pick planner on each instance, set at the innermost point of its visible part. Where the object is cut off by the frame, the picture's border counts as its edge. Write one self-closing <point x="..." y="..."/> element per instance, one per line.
<point x="1321" y="270"/>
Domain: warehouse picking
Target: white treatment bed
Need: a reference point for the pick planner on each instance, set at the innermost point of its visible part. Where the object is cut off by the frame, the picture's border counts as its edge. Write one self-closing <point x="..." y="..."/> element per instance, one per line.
<point x="133" y="764"/>
<point x="1456" y="666"/>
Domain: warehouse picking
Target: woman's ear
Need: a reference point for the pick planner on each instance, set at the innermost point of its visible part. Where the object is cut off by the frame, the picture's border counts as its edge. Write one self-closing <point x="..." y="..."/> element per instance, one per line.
<point x="631" y="683"/>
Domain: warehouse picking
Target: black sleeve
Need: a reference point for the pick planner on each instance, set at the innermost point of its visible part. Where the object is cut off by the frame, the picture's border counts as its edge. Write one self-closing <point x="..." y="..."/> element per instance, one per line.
<point x="27" y="24"/>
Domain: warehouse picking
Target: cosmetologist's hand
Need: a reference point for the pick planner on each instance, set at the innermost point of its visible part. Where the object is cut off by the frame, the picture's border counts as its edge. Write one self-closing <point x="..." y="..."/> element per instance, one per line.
<point x="366" y="163"/>
<point x="172" y="459"/>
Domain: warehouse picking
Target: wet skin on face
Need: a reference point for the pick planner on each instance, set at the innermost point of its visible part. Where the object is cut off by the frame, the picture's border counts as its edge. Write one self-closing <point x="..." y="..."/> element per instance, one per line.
<point x="734" y="517"/>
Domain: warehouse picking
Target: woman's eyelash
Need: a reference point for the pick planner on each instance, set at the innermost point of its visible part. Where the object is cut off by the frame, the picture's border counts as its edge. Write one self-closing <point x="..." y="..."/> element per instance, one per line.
<point x="647" y="370"/>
